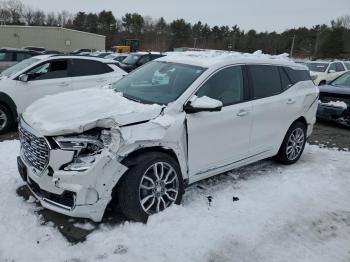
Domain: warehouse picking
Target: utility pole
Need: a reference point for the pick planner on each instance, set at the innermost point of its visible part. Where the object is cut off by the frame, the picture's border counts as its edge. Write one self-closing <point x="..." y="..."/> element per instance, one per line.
<point x="195" y="42"/>
<point x="292" y="47"/>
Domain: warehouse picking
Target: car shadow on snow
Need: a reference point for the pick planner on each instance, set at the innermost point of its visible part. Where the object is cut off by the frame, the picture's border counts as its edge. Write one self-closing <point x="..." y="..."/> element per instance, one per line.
<point x="75" y="230"/>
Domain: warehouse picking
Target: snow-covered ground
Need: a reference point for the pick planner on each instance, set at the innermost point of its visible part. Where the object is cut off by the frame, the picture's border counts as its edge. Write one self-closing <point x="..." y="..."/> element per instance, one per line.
<point x="284" y="213"/>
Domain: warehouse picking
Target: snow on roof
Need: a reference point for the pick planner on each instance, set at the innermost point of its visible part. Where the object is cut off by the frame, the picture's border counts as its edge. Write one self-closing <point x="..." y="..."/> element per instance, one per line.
<point x="210" y="58"/>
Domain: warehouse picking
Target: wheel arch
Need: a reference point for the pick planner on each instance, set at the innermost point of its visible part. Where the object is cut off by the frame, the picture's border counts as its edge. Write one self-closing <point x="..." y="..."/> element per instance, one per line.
<point x="130" y="160"/>
<point x="7" y="101"/>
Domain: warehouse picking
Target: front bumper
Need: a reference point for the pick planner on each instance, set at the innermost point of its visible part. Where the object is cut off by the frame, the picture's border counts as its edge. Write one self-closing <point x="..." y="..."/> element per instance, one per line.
<point x="329" y="112"/>
<point x="78" y="194"/>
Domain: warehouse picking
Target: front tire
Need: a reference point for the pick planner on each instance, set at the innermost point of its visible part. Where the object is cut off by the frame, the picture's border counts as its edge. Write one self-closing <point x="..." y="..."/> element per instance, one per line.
<point x="153" y="184"/>
<point x="293" y="144"/>
<point x="6" y="119"/>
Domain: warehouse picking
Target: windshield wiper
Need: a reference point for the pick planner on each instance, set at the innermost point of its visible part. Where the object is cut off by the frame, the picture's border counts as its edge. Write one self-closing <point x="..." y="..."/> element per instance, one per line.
<point x="132" y="98"/>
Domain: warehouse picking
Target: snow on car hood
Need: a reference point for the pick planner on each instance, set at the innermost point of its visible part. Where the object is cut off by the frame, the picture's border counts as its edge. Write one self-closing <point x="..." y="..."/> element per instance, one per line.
<point x="78" y="111"/>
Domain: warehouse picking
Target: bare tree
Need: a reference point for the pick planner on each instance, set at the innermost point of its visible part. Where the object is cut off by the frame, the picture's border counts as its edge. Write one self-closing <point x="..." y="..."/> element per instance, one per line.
<point x="51" y="19"/>
<point x="344" y="21"/>
<point x="11" y="11"/>
<point x="64" y="18"/>
<point x="39" y="18"/>
<point x="28" y="15"/>
<point x="15" y="8"/>
<point x="5" y="14"/>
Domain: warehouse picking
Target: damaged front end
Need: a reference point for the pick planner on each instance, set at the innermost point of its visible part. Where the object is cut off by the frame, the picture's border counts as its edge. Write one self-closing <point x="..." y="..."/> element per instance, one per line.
<point x="82" y="168"/>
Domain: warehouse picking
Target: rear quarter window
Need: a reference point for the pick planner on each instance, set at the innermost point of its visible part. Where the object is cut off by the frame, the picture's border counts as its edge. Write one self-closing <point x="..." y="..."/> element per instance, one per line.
<point x="297" y="75"/>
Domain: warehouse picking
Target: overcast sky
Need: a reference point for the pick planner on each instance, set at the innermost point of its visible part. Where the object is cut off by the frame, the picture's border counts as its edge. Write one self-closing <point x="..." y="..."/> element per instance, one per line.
<point x="261" y="15"/>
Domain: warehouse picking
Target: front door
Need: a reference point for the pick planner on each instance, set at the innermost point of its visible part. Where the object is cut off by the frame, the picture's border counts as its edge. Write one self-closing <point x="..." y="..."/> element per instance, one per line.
<point x="216" y="139"/>
<point x="44" y="79"/>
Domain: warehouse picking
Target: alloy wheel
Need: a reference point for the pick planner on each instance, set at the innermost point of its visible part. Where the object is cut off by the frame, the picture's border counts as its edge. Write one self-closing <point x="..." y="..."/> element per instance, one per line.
<point x="159" y="188"/>
<point x="3" y="119"/>
<point x="295" y="143"/>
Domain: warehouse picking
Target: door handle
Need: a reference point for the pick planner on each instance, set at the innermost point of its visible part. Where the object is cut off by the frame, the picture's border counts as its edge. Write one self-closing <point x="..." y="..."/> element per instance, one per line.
<point x="242" y="112"/>
<point x="101" y="80"/>
<point x="63" y="84"/>
<point x="291" y="101"/>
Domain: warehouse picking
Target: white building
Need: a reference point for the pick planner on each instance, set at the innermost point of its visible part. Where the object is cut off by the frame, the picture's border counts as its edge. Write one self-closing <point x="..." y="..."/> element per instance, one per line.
<point x="52" y="38"/>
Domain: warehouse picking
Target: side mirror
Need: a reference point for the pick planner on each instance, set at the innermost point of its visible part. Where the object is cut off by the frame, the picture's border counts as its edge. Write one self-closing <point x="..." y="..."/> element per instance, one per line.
<point x="331" y="71"/>
<point x="202" y="104"/>
<point x="23" y="78"/>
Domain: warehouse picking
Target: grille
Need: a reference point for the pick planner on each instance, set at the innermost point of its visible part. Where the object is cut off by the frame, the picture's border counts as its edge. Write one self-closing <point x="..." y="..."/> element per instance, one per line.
<point x="34" y="149"/>
<point x="328" y="97"/>
<point x="66" y="199"/>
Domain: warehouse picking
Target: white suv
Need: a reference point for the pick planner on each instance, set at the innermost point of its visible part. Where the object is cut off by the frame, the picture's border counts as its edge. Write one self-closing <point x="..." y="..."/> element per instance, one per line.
<point x="31" y="79"/>
<point x="172" y="122"/>
<point x="324" y="72"/>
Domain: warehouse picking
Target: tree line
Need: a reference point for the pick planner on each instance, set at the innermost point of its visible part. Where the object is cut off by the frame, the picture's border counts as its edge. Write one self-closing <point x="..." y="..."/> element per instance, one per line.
<point x="319" y="41"/>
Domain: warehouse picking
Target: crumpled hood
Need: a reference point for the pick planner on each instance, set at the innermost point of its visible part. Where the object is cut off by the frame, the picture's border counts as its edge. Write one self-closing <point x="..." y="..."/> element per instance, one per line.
<point x="78" y="111"/>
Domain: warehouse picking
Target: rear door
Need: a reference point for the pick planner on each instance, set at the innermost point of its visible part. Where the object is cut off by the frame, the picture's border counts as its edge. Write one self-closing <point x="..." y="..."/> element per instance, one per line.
<point x="275" y="104"/>
<point x="90" y="73"/>
<point x="47" y="78"/>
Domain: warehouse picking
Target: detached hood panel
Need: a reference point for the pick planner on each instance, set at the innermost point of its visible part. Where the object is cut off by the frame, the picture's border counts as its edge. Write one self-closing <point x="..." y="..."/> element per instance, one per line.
<point x="78" y="111"/>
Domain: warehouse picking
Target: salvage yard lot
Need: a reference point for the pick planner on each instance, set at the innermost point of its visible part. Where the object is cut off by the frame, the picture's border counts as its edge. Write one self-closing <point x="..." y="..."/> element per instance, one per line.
<point x="283" y="213"/>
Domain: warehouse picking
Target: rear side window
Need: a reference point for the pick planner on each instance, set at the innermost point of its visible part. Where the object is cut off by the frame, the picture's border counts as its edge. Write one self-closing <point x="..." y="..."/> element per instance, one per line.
<point x="82" y="67"/>
<point x="265" y="80"/>
<point x="297" y="75"/>
<point x="22" y="56"/>
<point x="6" y="56"/>
<point x="339" y="67"/>
<point x="347" y="64"/>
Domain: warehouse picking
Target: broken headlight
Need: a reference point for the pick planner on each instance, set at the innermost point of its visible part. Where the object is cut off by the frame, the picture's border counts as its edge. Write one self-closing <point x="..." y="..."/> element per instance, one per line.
<point x="86" y="149"/>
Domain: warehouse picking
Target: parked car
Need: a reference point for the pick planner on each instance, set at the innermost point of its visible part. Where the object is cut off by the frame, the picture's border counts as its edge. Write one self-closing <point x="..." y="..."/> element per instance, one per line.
<point x="324" y="72"/>
<point x="11" y="56"/>
<point x="101" y="54"/>
<point x="35" y="48"/>
<point x="83" y="50"/>
<point x="52" y="52"/>
<point x="144" y="142"/>
<point x="335" y="100"/>
<point x="38" y="76"/>
<point x="138" y="59"/>
<point x="117" y="57"/>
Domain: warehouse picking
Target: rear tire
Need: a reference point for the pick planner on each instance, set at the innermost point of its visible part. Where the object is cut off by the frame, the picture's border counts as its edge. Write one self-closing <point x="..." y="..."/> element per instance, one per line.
<point x="150" y="186"/>
<point x="6" y="119"/>
<point x="293" y="144"/>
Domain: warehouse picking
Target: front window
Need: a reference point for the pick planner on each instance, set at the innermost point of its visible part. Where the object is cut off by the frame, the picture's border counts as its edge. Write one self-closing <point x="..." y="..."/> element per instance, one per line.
<point x="343" y="80"/>
<point x="225" y="86"/>
<point x="158" y="82"/>
<point x="131" y="59"/>
<point x="317" y="67"/>
<point x="19" y="67"/>
<point x="49" y="70"/>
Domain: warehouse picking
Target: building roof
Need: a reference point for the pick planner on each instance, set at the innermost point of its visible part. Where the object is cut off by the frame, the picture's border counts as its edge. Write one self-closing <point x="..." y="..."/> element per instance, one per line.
<point x="49" y="27"/>
<point x="209" y="58"/>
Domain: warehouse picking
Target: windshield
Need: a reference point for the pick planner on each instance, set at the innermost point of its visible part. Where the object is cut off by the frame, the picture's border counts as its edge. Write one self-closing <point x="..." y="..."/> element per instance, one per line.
<point x="158" y="82"/>
<point x="19" y="67"/>
<point x="131" y="59"/>
<point x="343" y="80"/>
<point x="317" y="67"/>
